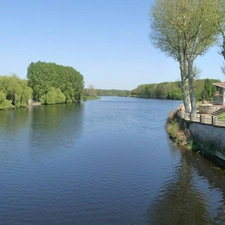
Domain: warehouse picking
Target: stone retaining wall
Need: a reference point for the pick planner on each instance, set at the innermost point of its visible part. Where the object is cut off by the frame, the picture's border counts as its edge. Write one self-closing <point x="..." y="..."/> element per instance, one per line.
<point x="208" y="133"/>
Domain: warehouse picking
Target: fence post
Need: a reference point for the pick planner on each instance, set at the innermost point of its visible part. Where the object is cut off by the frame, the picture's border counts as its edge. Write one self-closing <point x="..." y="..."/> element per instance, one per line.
<point x="202" y="118"/>
<point x="214" y="120"/>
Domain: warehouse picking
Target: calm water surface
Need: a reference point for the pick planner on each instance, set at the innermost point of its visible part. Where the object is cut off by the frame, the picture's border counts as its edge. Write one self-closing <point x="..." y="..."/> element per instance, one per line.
<point x="99" y="162"/>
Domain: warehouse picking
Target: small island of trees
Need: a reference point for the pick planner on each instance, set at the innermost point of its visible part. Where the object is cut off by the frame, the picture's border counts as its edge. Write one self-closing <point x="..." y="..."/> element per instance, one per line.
<point x="47" y="83"/>
<point x="52" y="83"/>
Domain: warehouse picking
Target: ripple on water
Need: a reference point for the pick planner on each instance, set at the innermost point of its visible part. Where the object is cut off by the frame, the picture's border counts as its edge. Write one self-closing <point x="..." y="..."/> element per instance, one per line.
<point x="101" y="162"/>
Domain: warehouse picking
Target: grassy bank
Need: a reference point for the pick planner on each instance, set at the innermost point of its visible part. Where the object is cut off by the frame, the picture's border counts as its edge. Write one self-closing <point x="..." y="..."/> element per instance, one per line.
<point x="178" y="130"/>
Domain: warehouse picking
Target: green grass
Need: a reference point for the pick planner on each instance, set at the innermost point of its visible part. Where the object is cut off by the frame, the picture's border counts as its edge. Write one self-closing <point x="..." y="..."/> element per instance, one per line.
<point x="221" y="117"/>
<point x="192" y="145"/>
<point x="198" y="103"/>
<point x="173" y="129"/>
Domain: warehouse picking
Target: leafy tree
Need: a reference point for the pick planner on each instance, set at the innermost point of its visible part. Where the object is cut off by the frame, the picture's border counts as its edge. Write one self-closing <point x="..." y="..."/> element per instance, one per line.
<point x="220" y="25"/>
<point x="204" y="95"/>
<point x="112" y="92"/>
<point x="44" y="76"/>
<point x="171" y="90"/>
<point x="210" y="89"/>
<point x="184" y="30"/>
<point x="54" y="96"/>
<point x="4" y="103"/>
<point x="15" y="90"/>
<point x="60" y="97"/>
<point x="165" y="90"/>
<point x="90" y="91"/>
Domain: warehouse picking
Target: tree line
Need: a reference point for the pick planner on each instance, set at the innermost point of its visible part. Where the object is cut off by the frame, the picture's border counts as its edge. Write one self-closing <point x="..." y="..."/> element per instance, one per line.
<point x="48" y="83"/>
<point x="112" y="92"/>
<point x="185" y="30"/>
<point x="203" y="90"/>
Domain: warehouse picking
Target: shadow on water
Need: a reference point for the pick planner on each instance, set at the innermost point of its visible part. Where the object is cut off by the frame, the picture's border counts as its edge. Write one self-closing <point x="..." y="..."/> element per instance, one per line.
<point x="191" y="196"/>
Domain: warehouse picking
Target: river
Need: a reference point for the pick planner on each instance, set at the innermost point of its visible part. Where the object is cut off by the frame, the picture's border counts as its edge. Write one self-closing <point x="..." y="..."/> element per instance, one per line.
<point x="103" y="162"/>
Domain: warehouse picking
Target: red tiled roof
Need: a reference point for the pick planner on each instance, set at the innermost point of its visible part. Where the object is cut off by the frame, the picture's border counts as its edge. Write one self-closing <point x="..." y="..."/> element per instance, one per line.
<point x="222" y="85"/>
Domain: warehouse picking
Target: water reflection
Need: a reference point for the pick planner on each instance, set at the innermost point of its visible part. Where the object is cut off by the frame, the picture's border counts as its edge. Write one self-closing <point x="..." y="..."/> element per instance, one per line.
<point x="55" y="127"/>
<point x="14" y="129"/>
<point x="14" y="122"/>
<point x="39" y="129"/>
<point x="102" y="162"/>
<point x="187" y="199"/>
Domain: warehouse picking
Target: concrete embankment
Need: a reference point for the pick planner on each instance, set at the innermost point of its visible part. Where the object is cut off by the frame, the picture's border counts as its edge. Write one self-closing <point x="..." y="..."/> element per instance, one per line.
<point x="208" y="135"/>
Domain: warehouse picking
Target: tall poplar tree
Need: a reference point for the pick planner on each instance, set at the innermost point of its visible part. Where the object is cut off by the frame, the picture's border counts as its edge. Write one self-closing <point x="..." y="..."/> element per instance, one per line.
<point x="184" y="30"/>
<point x="220" y="25"/>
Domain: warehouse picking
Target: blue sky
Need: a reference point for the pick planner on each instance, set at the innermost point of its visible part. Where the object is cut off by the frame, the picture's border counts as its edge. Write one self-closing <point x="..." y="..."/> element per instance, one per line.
<point x="105" y="40"/>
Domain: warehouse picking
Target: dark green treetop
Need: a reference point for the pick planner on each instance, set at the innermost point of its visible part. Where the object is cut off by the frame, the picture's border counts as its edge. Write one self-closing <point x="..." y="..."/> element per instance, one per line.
<point x="42" y="77"/>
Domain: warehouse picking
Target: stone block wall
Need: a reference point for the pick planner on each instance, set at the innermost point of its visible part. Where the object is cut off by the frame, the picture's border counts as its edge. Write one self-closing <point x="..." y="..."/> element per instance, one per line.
<point x="209" y="133"/>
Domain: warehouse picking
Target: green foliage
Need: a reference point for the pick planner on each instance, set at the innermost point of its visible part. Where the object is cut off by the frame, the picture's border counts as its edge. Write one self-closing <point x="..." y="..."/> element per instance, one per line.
<point x="174" y="33"/>
<point x="173" y="129"/>
<point x="4" y="103"/>
<point x="204" y="95"/>
<point x="170" y="90"/>
<point x="192" y="145"/>
<point x="204" y="90"/>
<point x="210" y="89"/>
<point x="221" y="117"/>
<point x="165" y="90"/>
<point x="54" y="96"/>
<point x="112" y="92"/>
<point x="44" y="76"/>
<point x="198" y="103"/>
<point x="15" y="90"/>
<point x="85" y="98"/>
<point x="89" y="93"/>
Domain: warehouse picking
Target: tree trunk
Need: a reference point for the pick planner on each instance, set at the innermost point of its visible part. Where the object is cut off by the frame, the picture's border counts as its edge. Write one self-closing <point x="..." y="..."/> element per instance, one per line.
<point x="223" y="46"/>
<point x="185" y="87"/>
<point x="191" y="88"/>
<point x="186" y="96"/>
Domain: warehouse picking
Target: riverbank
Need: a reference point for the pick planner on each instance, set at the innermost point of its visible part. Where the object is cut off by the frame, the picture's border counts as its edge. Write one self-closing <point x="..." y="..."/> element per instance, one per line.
<point x="205" y="139"/>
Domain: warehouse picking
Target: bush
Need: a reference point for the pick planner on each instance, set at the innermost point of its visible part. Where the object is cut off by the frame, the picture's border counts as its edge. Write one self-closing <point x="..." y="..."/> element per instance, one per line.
<point x="54" y="96"/>
<point x="4" y="103"/>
